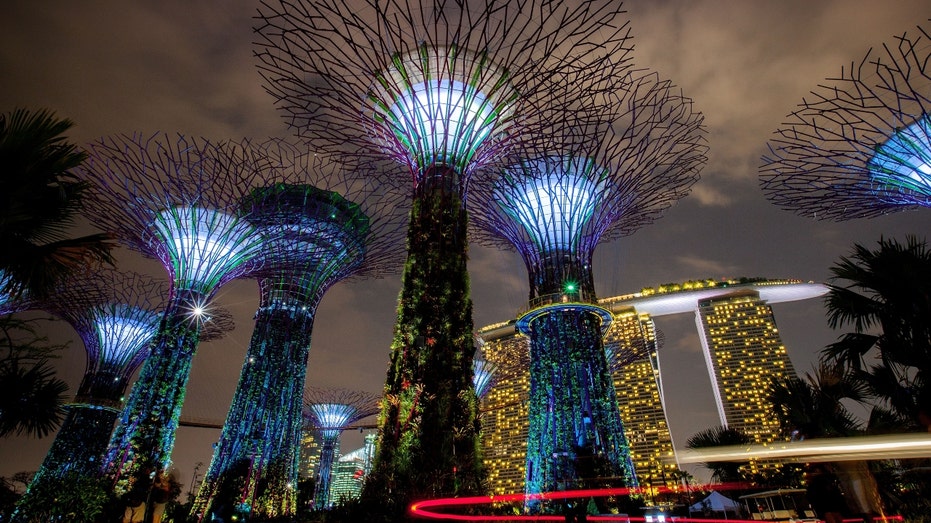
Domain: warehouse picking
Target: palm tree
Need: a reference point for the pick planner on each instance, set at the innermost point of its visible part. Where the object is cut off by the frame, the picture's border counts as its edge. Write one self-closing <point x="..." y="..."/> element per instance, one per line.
<point x="30" y="395"/>
<point x="721" y="471"/>
<point x="812" y="408"/>
<point x="39" y="200"/>
<point x="885" y="296"/>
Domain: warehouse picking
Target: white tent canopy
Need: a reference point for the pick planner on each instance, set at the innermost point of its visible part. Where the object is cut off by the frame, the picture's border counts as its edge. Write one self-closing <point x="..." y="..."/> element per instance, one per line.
<point x="716" y="502"/>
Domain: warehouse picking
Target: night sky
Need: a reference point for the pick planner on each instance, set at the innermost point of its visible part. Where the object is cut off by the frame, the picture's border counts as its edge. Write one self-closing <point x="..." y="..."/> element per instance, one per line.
<point x="173" y="66"/>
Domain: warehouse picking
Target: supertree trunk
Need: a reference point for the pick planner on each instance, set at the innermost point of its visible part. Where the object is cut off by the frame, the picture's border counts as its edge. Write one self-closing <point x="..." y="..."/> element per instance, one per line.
<point x="142" y="442"/>
<point x="572" y="403"/>
<point x="276" y="362"/>
<point x="429" y="439"/>
<point x="573" y="408"/>
<point x="86" y="429"/>
<point x="325" y="470"/>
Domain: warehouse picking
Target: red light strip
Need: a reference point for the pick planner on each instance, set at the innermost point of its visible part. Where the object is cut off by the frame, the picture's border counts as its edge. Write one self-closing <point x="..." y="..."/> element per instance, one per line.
<point x="420" y="508"/>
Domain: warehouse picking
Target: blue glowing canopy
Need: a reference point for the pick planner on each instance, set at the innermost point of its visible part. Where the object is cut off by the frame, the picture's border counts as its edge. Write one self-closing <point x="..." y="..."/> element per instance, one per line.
<point x="903" y="162"/>
<point x="553" y="199"/>
<point x="441" y="120"/>
<point x="483" y="372"/>
<point x="204" y="245"/>
<point x="331" y="418"/>
<point x="122" y="332"/>
<point x="440" y="106"/>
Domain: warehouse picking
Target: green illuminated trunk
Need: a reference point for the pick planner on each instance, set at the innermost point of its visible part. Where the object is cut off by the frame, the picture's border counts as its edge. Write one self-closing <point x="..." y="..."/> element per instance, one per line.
<point x="572" y="405"/>
<point x="263" y="426"/>
<point x="141" y="444"/>
<point x="429" y="431"/>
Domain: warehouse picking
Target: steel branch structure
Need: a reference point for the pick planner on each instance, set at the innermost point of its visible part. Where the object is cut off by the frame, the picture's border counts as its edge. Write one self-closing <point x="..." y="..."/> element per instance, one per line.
<point x="590" y="179"/>
<point x="860" y="145"/>
<point x="339" y="223"/>
<point x="174" y="199"/>
<point x="428" y="84"/>
<point x="11" y="300"/>
<point x="330" y="411"/>
<point x="438" y="90"/>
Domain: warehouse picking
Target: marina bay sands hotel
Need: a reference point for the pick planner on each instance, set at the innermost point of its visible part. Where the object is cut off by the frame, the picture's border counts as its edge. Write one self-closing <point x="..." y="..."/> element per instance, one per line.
<point x="742" y="349"/>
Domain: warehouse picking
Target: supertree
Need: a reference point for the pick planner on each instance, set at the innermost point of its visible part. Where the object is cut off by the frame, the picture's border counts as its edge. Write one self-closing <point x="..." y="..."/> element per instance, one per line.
<point x="438" y="89"/>
<point x="116" y="314"/>
<point x="10" y="300"/>
<point x="330" y="411"/>
<point x="591" y="178"/>
<point x="175" y="199"/>
<point x="338" y="224"/>
<point x="860" y="145"/>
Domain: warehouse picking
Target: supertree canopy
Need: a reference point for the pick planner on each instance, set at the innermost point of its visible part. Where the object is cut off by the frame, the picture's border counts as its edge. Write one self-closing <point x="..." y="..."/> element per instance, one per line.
<point x="593" y="177"/>
<point x="860" y="145"/>
<point x="440" y="89"/>
<point x="316" y="236"/>
<point x="10" y="300"/>
<point x="176" y="200"/>
<point x="330" y="411"/>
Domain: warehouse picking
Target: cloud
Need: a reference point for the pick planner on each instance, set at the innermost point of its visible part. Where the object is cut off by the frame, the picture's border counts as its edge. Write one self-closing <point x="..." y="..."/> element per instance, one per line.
<point x="710" y="196"/>
<point x="703" y="266"/>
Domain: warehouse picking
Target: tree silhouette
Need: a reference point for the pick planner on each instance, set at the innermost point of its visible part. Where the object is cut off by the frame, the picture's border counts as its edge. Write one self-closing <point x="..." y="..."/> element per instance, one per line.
<point x="884" y="295"/>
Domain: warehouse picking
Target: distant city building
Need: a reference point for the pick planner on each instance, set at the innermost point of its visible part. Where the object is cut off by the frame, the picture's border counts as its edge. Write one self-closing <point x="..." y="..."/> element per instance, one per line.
<point x="742" y="349"/>
<point x="350" y="471"/>
<point x="503" y="410"/>
<point x="310" y="452"/>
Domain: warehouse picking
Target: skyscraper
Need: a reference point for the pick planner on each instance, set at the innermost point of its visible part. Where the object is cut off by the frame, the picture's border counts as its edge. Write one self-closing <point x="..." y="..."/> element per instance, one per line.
<point x="503" y="410"/>
<point x="743" y="353"/>
<point x="350" y="470"/>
